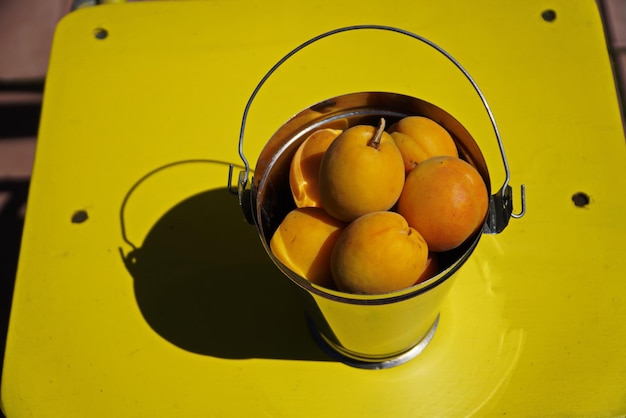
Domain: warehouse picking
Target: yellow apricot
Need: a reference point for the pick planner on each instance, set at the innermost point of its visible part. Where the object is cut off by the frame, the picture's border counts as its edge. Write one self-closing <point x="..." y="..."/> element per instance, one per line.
<point x="420" y="138"/>
<point x="305" y="167"/>
<point x="362" y="171"/>
<point x="304" y="242"/>
<point x="446" y="200"/>
<point x="378" y="253"/>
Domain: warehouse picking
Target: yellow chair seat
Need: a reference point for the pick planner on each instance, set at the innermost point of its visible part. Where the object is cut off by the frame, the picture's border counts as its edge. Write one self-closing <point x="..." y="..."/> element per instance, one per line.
<point x="141" y="291"/>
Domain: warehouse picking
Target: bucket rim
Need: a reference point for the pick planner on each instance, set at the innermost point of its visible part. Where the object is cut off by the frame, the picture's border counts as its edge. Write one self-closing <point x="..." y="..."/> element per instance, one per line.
<point x="355" y="106"/>
<point x="381" y="298"/>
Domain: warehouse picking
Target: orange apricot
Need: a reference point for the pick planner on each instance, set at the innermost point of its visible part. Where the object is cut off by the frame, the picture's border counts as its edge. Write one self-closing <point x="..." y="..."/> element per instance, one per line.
<point x="361" y="172"/>
<point x="378" y="253"/>
<point x="431" y="269"/>
<point x="420" y="138"/>
<point x="305" y="167"/>
<point x="304" y="242"/>
<point x="446" y="200"/>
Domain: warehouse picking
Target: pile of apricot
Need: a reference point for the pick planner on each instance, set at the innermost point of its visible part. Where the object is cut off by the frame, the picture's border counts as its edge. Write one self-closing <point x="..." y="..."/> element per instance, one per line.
<point x="375" y="205"/>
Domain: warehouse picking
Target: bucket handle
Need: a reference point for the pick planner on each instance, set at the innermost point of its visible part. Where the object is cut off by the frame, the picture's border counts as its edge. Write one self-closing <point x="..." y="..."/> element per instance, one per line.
<point x="500" y="204"/>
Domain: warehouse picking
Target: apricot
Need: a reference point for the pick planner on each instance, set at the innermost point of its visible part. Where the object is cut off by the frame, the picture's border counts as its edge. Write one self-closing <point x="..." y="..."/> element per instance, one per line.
<point x="420" y="138"/>
<point x="304" y="242"/>
<point x="305" y="167"/>
<point x="362" y="171"/>
<point x="431" y="269"/>
<point x="446" y="200"/>
<point x="378" y="253"/>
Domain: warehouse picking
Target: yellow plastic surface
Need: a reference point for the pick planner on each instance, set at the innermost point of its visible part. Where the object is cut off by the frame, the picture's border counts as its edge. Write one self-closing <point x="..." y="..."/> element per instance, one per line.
<point x="199" y="323"/>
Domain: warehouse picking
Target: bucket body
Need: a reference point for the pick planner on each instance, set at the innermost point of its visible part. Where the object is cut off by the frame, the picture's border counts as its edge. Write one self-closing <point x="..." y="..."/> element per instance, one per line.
<point x="369" y="331"/>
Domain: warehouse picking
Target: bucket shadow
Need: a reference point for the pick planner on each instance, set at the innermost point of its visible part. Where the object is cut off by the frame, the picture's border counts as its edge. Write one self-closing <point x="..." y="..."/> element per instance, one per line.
<point x="204" y="282"/>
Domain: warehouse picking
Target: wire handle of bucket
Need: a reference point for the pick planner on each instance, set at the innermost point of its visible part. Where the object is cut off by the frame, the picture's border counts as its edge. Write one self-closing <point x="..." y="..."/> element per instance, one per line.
<point x="504" y="195"/>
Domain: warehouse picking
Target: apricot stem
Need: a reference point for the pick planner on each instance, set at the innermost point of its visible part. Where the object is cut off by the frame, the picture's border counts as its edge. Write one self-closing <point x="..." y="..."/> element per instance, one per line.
<point x="375" y="141"/>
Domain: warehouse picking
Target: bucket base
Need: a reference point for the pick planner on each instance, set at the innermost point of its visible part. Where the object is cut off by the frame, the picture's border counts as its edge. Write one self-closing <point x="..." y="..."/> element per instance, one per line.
<point x="364" y="363"/>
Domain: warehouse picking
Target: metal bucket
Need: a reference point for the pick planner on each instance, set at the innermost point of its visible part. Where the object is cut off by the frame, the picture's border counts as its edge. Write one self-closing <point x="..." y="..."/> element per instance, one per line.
<point x="366" y="331"/>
